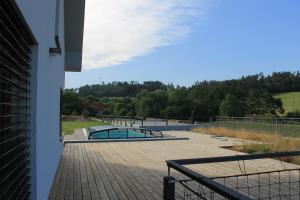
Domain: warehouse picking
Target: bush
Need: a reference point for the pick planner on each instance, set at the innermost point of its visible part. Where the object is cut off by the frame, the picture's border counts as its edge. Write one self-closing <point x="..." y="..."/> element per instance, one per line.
<point x="293" y="114"/>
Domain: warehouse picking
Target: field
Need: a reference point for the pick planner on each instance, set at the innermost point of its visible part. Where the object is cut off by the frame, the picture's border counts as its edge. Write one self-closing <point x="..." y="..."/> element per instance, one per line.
<point x="69" y="126"/>
<point x="262" y="142"/>
<point x="291" y="100"/>
<point x="284" y="127"/>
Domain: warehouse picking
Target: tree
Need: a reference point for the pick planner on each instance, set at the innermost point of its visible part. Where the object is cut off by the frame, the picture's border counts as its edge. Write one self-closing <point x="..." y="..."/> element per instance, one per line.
<point x="254" y="95"/>
<point x="230" y="106"/>
<point x="152" y="104"/>
<point x="71" y="103"/>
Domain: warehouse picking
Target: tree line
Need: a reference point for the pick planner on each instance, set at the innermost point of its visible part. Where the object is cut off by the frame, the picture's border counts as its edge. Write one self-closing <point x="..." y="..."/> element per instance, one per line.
<point x="247" y="96"/>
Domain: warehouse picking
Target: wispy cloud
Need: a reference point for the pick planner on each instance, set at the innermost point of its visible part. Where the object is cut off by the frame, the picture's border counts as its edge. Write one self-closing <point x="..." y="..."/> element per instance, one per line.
<point x="118" y="30"/>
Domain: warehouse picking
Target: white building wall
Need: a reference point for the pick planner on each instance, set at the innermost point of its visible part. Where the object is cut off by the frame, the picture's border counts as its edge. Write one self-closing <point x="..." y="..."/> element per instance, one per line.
<point x="47" y="80"/>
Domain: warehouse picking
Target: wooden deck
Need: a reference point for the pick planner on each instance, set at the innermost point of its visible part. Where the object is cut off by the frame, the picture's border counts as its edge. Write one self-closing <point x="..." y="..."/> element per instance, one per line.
<point x="135" y="170"/>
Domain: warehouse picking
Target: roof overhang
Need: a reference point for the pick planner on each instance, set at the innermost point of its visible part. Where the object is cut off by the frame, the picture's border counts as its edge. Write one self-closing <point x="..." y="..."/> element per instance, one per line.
<point x="74" y="25"/>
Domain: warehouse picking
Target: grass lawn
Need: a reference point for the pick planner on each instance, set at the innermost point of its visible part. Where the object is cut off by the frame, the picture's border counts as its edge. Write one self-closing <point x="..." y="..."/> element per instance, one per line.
<point x="69" y="126"/>
<point x="290" y="100"/>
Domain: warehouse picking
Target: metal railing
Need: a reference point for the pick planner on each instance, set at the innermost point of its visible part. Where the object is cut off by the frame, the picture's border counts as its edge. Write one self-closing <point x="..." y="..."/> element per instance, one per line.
<point x="275" y="184"/>
<point x="121" y="120"/>
<point x="141" y="121"/>
<point x="289" y="127"/>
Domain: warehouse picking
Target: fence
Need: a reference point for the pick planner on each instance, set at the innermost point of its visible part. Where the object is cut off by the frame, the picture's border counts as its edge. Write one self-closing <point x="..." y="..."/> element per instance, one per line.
<point x="289" y="127"/>
<point x="139" y="121"/>
<point x="185" y="183"/>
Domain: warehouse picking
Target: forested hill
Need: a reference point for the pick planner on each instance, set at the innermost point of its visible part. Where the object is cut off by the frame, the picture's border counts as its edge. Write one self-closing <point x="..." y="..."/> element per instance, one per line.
<point x="248" y="95"/>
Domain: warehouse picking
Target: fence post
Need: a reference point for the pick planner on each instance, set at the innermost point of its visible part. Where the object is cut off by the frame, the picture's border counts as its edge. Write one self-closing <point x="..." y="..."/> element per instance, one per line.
<point x="169" y="188"/>
<point x="276" y="126"/>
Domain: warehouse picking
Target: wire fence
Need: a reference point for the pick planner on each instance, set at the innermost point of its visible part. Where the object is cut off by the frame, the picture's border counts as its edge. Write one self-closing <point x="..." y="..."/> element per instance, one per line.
<point x="289" y="127"/>
<point x="280" y="184"/>
<point x="277" y="181"/>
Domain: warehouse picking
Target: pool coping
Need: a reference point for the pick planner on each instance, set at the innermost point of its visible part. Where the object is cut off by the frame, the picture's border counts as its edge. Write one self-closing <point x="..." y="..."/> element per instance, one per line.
<point x="144" y="139"/>
<point x="125" y="140"/>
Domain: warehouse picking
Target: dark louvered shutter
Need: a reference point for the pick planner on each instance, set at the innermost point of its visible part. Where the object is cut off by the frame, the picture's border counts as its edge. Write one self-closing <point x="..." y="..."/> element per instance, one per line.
<point x="15" y="42"/>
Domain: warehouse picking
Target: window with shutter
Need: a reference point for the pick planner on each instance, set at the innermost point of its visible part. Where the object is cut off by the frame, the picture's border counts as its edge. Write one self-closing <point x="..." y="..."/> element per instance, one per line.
<point x="15" y="43"/>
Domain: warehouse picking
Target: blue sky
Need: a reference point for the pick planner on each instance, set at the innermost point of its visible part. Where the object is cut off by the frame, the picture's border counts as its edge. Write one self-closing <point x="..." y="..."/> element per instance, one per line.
<point x="214" y="40"/>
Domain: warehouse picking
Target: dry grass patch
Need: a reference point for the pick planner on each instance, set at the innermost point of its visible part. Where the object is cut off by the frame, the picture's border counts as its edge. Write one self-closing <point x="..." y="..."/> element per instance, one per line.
<point x="240" y="134"/>
<point x="268" y="142"/>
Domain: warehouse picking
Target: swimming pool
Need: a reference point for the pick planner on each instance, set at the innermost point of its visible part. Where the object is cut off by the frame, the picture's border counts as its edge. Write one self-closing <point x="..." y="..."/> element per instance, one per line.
<point x="108" y="132"/>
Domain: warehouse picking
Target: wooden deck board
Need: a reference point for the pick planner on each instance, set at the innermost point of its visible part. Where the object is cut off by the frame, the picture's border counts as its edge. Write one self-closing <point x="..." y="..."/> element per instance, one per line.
<point x="54" y="189"/>
<point x="90" y="174"/>
<point x="63" y="178"/>
<point x="105" y="186"/>
<point x="98" y="178"/>
<point x="77" y="175"/>
<point x="135" y="185"/>
<point x="86" y="194"/>
<point x="135" y="170"/>
<point x="123" y="182"/>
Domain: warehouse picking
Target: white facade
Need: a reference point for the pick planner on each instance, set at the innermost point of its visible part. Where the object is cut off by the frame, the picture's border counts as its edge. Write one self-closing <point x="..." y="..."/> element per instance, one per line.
<point x="48" y="73"/>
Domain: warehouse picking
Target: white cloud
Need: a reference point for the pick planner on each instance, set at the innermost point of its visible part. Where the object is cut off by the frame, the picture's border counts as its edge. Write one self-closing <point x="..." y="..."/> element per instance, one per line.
<point x="118" y="30"/>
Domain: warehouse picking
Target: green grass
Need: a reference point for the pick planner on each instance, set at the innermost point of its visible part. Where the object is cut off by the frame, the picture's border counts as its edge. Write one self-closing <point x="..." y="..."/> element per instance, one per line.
<point x="69" y="126"/>
<point x="290" y="100"/>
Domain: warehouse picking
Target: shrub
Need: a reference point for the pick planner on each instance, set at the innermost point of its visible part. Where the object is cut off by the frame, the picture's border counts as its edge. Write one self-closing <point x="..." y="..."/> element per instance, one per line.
<point x="293" y="114"/>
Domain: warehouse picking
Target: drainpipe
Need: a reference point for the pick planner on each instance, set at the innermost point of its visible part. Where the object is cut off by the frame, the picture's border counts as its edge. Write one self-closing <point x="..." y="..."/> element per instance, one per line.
<point x="56" y="50"/>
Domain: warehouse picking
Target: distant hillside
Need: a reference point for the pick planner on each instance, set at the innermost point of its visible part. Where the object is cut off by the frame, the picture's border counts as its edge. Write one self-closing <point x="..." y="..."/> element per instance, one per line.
<point x="245" y="96"/>
<point x="291" y="100"/>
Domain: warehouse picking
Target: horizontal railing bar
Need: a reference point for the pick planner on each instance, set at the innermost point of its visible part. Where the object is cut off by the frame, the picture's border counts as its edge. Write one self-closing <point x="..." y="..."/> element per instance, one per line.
<point x="211" y="184"/>
<point x="193" y="161"/>
<point x="258" y="118"/>
<point x="256" y="173"/>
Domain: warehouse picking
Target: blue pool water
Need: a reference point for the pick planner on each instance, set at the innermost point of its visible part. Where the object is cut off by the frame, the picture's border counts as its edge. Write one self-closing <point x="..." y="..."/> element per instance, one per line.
<point x="116" y="134"/>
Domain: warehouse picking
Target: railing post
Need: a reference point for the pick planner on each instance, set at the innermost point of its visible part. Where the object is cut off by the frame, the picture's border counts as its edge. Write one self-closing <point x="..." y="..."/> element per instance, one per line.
<point x="276" y="126"/>
<point x="169" y="188"/>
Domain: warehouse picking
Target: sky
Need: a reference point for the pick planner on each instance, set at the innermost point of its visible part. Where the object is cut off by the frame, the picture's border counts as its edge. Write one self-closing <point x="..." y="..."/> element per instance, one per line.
<point x="182" y="42"/>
